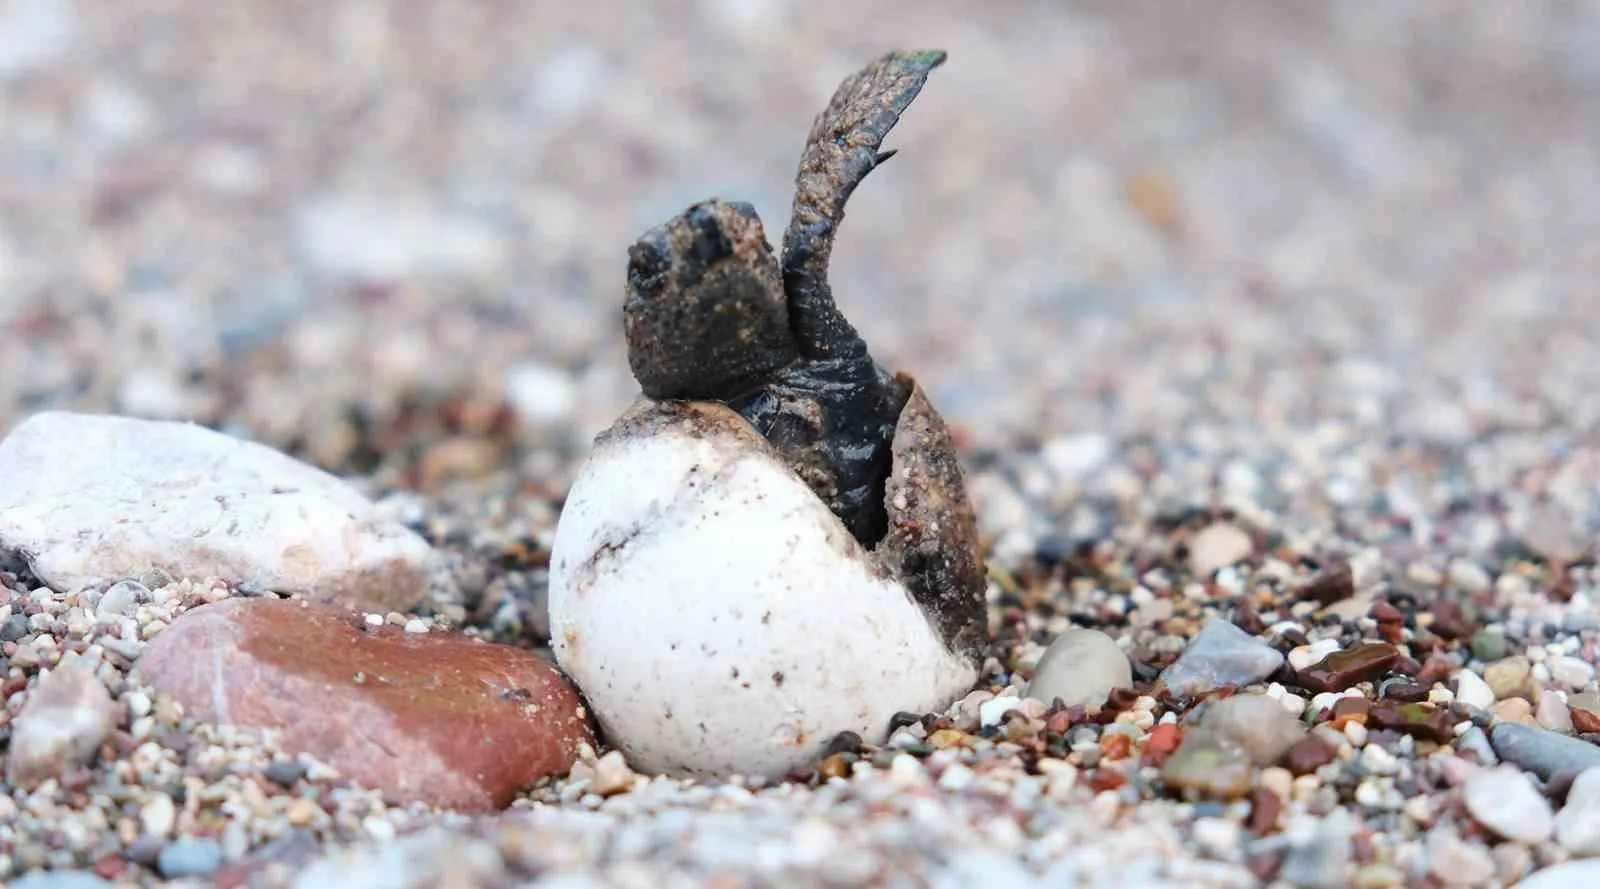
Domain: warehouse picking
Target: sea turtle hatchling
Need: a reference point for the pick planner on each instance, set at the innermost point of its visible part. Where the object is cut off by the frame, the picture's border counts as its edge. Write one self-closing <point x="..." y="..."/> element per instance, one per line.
<point x="774" y="543"/>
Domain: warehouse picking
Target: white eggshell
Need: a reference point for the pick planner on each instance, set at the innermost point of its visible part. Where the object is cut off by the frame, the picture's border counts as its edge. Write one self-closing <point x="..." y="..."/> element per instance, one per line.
<point x="718" y="617"/>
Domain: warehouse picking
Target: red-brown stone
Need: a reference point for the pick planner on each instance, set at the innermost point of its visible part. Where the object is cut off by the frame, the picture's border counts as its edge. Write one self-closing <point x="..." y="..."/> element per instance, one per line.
<point x="1265" y="808"/>
<point x="1342" y="669"/>
<point x="1163" y="740"/>
<point x="425" y="717"/>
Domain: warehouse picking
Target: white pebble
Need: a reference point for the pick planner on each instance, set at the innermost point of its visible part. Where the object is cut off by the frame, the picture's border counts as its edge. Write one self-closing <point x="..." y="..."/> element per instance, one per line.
<point x="1473" y="691"/>
<point x="1356" y="733"/>
<point x="158" y="816"/>
<point x="990" y="712"/>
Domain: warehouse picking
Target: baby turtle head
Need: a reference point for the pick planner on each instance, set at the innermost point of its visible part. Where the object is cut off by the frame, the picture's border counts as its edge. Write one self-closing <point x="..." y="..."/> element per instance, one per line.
<point x="706" y="315"/>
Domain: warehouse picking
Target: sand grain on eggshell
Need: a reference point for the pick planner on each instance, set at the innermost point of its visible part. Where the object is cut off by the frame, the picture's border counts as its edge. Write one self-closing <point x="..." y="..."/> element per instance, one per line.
<point x="1286" y="320"/>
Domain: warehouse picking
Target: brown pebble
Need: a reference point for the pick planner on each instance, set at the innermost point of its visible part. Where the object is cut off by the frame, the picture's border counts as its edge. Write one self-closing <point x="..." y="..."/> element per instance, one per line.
<point x="1342" y="669"/>
<point x="1421" y="721"/>
<point x="1584" y="721"/>
<point x="1437" y="668"/>
<point x="1307" y="755"/>
<point x="1107" y="779"/>
<point x="1350" y="710"/>
<point x="1246" y="618"/>
<point x="1265" y="807"/>
<point x="1121" y="699"/>
<point x="1335" y="584"/>
<point x="1405" y="691"/>
<point x="1449" y="621"/>
<point x="1384" y="613"/>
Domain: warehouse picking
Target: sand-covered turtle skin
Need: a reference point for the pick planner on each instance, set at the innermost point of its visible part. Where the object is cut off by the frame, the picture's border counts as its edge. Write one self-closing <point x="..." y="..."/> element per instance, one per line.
<point x="707" y="304"/>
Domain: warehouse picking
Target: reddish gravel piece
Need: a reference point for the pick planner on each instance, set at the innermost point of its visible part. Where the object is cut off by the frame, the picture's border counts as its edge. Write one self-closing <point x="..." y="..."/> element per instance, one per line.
<point x="422" y="717"/>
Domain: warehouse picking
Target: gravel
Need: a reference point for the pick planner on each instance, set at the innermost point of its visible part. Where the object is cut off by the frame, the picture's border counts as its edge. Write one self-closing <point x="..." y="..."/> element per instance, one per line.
<point x="1263" y="333"/>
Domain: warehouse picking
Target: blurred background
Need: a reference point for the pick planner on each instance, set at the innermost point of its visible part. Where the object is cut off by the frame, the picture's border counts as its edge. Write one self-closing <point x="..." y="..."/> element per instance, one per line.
<point x="362" y="230"/>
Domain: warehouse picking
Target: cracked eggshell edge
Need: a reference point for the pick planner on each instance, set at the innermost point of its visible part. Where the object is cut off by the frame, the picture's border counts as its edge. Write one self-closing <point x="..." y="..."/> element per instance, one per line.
<point x="717" y="616"/>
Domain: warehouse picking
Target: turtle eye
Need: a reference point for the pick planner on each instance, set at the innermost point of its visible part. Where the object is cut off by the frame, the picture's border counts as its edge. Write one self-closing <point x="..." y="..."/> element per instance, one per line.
<point x="648" y="262"/>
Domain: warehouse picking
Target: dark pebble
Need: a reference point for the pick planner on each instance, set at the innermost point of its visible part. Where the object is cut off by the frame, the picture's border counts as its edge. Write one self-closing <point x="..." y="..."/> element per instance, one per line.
<point x="843" y="742"/>
<point x="284" y="772"/>
<point x="15" y="627"/>
<point x="902" y="719"/>
<point x="1335" y="584"/>
<point x="1403" y="690"/>
<point x="1352" y="708"/>
<point x="1265" y="807"/>
<point x="1449" y="619"/>
<point x="1307" y="755"/>
<point x="1418" y="720"/>
<point x="1384" y="613"/>
<point x="1342" y="669"/>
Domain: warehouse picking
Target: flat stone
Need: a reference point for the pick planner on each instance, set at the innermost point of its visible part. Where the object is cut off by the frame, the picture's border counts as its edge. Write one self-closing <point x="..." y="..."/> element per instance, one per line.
<point x="1343" y="669"/>
<point x="1509" y="677"/>
<point x="1081" y="667"/>
<point x="1542" y="752"/>
<point x="91" y="500"/>
<point x="1220" y="654"/>
<point x="62" y="724"/>
<point x="1217" y="546"/>
<point x="1578" y="822"/>
<point x="1256" y="723"/>
<point x="432" y="717"/>
<point x="1501" y="799"/>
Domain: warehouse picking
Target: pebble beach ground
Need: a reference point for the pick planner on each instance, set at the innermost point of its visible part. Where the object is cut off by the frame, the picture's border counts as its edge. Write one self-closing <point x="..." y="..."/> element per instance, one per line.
<point x="1267" y="334"/>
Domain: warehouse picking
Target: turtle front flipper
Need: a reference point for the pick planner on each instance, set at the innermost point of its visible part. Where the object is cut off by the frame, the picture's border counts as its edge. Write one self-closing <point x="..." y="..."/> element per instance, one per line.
<point x="842" y="149"/>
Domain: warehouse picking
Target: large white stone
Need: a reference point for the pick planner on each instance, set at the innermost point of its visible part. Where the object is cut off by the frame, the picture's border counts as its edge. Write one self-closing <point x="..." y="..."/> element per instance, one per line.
<point x="89" y="500"/>
<point x="719" y="618"/>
